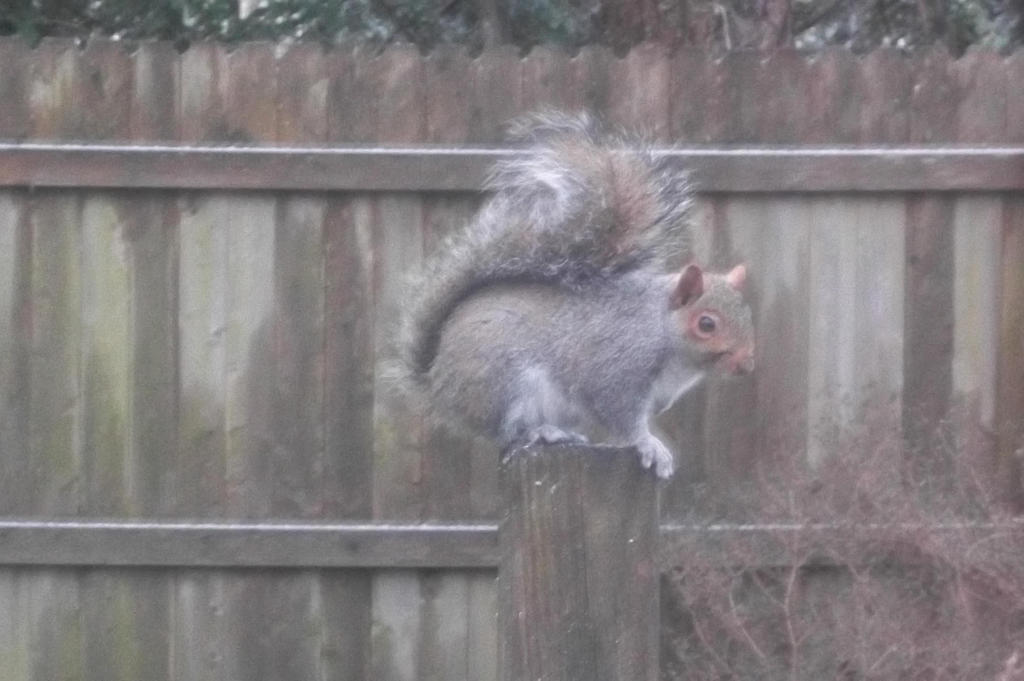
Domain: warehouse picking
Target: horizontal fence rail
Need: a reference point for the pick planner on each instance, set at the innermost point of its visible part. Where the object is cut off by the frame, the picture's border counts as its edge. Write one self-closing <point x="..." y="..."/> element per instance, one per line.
<point x="376" y="545"/>
<point x="465" y="169"/>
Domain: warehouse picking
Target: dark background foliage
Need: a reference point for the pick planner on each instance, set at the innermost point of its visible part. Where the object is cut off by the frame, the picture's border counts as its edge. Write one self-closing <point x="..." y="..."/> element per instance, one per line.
<point x="711" y="24"/>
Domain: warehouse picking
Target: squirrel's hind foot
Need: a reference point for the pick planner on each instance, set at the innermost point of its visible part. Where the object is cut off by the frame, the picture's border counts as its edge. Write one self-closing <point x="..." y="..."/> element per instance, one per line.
<point x="553" y="435"/>
<point x="546" y="434"/>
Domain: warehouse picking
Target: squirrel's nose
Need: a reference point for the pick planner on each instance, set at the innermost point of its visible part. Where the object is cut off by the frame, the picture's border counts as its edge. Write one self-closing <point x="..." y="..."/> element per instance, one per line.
<point x="742" y="361"/>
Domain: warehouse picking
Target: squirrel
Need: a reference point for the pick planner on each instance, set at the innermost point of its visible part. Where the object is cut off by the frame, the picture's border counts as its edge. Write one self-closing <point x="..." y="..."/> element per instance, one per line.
<point x="569" y="304"/>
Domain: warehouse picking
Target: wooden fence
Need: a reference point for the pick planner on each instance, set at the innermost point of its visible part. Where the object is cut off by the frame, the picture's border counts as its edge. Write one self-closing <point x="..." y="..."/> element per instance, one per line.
<point x="190" y="336"/>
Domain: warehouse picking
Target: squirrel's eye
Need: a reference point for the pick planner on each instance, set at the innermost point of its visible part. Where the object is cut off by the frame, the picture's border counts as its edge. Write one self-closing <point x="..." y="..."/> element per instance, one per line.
<point x="706" y="324"/>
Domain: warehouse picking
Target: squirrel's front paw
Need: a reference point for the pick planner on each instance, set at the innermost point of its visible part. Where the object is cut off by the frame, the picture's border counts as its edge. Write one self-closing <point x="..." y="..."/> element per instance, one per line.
<point x="653" y="452"/>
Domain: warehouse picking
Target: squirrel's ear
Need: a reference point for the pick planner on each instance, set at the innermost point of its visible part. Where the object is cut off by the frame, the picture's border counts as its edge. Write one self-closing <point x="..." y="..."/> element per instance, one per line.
<point x="689" y="287"/>
<point x="737" y="276"/>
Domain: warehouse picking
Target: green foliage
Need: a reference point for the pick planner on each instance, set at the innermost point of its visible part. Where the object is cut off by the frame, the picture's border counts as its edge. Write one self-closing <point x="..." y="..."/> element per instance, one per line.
<point x="711" y="24"/>
<point x="424" y="22"/>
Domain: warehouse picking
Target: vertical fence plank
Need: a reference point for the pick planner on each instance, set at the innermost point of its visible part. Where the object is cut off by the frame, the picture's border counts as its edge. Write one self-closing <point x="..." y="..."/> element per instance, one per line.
<point x="933" y="105"/>
<point x="928" y="324"/>
<point x="201" y="627"/>
<point x="15" y="466"/>
<point x="497" y="77"/>
<point x="16" y="469"/>
<point x="124" y="615"/>
<point x="200" y="106"/>
<point x="157" y="83"/>
<point x="107" y="361"/>
<point x="688" y="90"/>
<point x="638" y="88"/>
<point x="15" y="237"/>
<point x="15" y="632"/>
<point x="398" y="489"/>
<point x="124" y="612"/>
<point x="977" y="242"/>
<point x="448" y="100"/>
<point x="53" y="274"/>
<point x="347" y="487"/>
<point x="50" y="90"/>
<point x="1014" y="66"/>
<point x="549" y="81"/>
<point x="102" y="91"/>
<point x="57" y="648"/>
<point x="302" y="84"/>
<point x="248" y="332"/>
<point x="202" y="319"/>
<point x="15" y="115"/>
<point x="54" y="404"/>
<point x="782" y="90"/>
<point x="883" y="87"/>
<point x="1010" y="374"/>
<point x="348" y="388"/>
<point x="856" y="308"/>
<point x="204" y="645"/>
<point x="981" y="86"/>
<point x="294" y="409"/>
<point x="1011" y="343"/>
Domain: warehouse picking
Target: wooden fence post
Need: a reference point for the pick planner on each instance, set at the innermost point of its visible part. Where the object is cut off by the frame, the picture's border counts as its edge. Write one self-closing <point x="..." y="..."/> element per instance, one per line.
<point x="578" y="580"/>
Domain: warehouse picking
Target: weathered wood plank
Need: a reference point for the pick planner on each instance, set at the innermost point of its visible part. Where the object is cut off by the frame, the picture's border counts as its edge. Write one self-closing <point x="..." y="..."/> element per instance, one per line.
<point x="150" y="236"/>
<point x="775" y="243"/>
<point x="53" y="113"/>
<point x="482" y="626"/>
<point x="16" y="474"/>
<point x="347" y="487"/>
<point x="16" y="114"/>
<point x="856" y="311"/>
<point x="981" y="87"/>
<point x="53" y="256"/>
<point x="55" y="409"/>
<point x="201" y="627"/>
<point x="398" y="489"/>
<point x="578" y="582"/>
<point x="200" y="102"/>
<point x="202" y="284"/>
<point x="448" y="105"/>
<point x="934" y="101"/>
<point x="638" y="87"/>
<point x="444" y="625"/>
<point x="125" y="625"/>
<point x="302" y="90"/>
<point x="1010" y="374"/>
<point x="1014" y="133"/>
<point x="107" y="361"/>
<point x="157" y="83"/>
<point x="15" y="633"/>
<point x="345" y="629"/>
<point x="397" y="634"/>
<point x="883" y="91"/>
<point x="548" y="80"/>
<point x="248" y="344"/>
<point x="101" y="91"/>
<point x="977" y="241"/>
<point x="928" y="325"/>
<point x="498" y="94"/>
<point x="53" y="617"/>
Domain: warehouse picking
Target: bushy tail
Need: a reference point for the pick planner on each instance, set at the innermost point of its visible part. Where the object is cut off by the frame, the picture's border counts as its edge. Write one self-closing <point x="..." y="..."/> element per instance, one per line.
<point x="580" y="204"/>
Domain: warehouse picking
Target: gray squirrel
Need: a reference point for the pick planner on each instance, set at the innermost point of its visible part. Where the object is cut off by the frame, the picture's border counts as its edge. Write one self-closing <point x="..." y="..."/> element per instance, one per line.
<point x="568" y="307"/>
